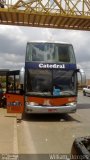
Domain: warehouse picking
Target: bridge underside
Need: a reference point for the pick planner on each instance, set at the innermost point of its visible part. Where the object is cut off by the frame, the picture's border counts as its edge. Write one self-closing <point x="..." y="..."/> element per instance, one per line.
<point x="65" y="14"/>
<point x="43" y="20"/>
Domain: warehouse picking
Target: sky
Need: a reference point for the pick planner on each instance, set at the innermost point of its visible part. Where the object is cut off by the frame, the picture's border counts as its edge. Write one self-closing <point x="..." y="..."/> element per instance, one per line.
<point x="13" y="40"/>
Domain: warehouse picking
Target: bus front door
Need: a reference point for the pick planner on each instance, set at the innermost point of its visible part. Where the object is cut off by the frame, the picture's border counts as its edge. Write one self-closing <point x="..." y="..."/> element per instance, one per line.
<point x="14" y="93"/>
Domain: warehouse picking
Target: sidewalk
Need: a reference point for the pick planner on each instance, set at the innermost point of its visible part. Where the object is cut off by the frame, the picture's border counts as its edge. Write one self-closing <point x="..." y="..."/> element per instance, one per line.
<point x="8" y="133"/>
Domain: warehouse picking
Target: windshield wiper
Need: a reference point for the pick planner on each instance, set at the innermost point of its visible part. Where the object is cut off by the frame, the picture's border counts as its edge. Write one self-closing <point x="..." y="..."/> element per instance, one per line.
<point x="67" y="93"/>
<point x="39" y="94"/>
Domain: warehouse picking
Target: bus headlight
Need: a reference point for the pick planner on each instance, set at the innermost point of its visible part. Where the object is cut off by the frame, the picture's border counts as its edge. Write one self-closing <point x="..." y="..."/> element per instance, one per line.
<point x="31" y="103"/>
<point x="71" y="104"/>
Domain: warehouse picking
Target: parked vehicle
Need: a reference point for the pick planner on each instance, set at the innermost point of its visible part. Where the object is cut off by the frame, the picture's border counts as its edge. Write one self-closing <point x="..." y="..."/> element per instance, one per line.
<point x="86" y="90"/>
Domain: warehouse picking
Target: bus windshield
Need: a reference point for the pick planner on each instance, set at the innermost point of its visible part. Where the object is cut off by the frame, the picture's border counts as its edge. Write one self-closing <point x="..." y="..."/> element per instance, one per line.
<point x="50" y="52"/>
<point x="42" y="82"/>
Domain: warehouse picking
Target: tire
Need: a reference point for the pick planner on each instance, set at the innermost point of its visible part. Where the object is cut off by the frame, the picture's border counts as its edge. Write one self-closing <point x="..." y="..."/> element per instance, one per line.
<point x="80" y="148"/>
<point x="84" y="93"/>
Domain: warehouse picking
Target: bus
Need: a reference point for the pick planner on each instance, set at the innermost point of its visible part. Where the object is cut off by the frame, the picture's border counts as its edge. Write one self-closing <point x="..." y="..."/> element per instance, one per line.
<point x="48" y="80"/>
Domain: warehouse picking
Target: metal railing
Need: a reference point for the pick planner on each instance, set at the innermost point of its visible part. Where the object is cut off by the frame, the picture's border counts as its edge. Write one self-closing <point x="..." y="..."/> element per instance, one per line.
<point x="62" y="7"/>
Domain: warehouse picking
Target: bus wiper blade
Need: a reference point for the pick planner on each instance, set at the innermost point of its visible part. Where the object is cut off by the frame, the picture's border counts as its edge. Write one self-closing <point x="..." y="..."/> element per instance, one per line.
<point x="39" y="93"/>
<point x="67" y="93"/>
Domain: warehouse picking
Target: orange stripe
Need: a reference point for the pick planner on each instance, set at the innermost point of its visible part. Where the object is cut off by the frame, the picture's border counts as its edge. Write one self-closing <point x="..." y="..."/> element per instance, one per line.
<point x="52" y="101"/>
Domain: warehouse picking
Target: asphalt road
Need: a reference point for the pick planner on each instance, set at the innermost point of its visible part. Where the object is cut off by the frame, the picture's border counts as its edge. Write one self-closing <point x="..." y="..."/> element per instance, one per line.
<point x="83" y="99"/>
<point x="52" y="134"/>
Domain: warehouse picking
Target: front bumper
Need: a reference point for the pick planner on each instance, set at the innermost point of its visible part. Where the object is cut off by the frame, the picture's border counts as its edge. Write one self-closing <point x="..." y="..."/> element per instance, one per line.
<point x="50" y="109"/>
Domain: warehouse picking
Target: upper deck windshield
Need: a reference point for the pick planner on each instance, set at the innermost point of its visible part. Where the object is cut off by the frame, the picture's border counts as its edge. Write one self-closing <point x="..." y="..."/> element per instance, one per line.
<point x="50" y="52"/>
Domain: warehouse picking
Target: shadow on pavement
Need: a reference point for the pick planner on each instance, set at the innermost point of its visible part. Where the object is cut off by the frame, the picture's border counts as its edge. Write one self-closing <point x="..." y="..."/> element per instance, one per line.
<point x="49" y="118"/>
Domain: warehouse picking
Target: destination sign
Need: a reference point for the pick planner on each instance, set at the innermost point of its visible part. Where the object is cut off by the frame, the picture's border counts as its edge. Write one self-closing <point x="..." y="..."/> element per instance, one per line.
<point x="41" y="65"/>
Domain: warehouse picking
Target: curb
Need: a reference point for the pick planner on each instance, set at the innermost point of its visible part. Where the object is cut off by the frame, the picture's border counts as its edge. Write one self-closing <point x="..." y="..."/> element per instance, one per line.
<point x="15" y="144"/>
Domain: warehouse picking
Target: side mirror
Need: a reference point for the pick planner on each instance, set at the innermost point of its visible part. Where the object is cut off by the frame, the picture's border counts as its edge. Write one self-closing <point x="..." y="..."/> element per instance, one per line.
<point x="83" y="76"/>
<point x="22" y="72"/>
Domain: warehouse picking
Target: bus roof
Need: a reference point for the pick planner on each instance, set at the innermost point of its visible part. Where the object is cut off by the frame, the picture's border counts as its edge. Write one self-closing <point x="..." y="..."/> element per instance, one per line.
<point x="49" y="42"/>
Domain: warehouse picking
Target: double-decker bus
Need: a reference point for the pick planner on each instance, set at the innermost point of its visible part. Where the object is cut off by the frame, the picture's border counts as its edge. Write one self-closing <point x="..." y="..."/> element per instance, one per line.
<point x="49" y="78"/>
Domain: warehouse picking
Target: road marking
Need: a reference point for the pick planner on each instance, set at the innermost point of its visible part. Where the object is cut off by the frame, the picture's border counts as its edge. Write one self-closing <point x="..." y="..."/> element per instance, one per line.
<point x="15" y="145"/>
<point x="28" y="139"/>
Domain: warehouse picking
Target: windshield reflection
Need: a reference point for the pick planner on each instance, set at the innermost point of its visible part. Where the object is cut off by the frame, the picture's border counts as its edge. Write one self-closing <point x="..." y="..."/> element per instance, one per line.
<point x="50" y="52"/>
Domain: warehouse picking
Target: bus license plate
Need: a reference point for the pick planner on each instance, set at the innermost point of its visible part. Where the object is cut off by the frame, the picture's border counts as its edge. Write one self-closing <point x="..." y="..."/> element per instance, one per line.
<point x="52" y="110"/>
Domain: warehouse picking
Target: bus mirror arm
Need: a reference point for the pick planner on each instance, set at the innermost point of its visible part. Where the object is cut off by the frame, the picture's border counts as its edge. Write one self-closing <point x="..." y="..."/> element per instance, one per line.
<point x="77" y="70"/>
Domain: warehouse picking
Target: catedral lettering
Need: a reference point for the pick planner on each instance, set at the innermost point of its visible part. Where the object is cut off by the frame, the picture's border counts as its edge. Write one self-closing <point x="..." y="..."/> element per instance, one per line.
<point x="48" y="79"/>
<point x="41" y="65"/>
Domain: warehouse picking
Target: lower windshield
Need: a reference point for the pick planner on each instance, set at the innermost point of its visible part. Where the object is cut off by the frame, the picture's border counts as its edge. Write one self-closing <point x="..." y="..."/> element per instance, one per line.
<point x="50" y="82"/>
